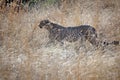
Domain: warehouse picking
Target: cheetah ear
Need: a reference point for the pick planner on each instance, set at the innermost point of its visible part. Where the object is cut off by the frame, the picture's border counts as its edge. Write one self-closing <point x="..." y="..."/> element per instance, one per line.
<point x="47" y="21"/>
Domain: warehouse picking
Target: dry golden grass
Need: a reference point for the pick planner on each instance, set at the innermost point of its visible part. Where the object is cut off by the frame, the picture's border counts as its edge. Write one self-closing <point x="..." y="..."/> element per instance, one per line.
<point x="23" y="51"/>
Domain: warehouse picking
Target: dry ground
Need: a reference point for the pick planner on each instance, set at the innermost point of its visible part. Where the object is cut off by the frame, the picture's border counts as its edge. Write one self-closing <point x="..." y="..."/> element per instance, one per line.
<point x="23" y="51"/>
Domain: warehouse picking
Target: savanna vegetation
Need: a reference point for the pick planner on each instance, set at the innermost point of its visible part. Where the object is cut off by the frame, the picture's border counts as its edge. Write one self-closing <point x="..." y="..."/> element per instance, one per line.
<point x="25" y="56"/>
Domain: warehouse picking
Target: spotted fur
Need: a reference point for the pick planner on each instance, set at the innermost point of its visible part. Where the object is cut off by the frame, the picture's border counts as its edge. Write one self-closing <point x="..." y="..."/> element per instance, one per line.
<point x="71" y="34"/>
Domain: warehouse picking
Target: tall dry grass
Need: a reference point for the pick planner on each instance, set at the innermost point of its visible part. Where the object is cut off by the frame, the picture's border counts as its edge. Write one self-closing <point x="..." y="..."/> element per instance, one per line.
<point x="23" y="51"/>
